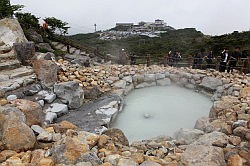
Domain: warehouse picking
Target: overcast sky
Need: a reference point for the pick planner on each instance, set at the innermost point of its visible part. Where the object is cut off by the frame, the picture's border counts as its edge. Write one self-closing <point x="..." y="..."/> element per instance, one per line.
<point x="212" y="17"/>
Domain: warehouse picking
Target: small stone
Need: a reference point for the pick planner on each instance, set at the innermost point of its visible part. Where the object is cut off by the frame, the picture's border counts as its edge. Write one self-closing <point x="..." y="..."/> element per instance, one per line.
<point x="46" y="162"/>
<point x="41" y="103"/>
<point x="240" y="131"/>
<point x="14" y="161"/>
<point x="103" y="140"/>
<point x="234" y="160"/>
<point x="234" y="140"/>
<point x="11" y="97"/>
<point x="63" y="126"/>
<point x="37" y="129"/>
<point x="3" y="102"/>
<point x="126" y="162"/>
<point x="57" y="108"/>
<point x="45" y="137"/>
<point x="56" y="137"/>
<point x="50" y="117"/>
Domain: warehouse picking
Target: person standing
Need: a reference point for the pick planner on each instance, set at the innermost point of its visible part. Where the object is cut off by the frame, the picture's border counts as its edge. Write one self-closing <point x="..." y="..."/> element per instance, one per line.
<point x="209" y="60"/>
<point x="233" y="59"/>
<point x="198" y="59"/>
<point x="223" y="60"/>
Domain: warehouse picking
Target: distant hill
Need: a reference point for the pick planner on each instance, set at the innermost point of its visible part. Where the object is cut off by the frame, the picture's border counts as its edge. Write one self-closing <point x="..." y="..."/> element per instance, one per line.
<point x="188" y="41"/>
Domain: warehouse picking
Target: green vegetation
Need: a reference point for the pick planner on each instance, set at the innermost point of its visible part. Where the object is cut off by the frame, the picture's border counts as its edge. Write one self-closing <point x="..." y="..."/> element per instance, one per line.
<point x="57" y="25"/>
<point x="188" y="41"/>
<point x="7" y="10"/>
<point x="27" y="20"/>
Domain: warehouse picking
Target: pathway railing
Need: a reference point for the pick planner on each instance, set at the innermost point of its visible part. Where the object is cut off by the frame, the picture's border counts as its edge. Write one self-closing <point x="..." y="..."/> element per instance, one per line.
<point x="243" y="64"/>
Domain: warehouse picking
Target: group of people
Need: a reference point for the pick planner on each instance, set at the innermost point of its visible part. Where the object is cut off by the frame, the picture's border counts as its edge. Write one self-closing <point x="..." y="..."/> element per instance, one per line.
<point x="202" y="56"/>
<point x="228" y="60"/>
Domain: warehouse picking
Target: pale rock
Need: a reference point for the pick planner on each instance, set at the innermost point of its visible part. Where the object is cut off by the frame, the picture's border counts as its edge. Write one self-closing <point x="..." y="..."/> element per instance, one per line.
<point x="167" y="74"/>
<point x="214" y="138"/>
<point x="109" y="111"/>
<point x="45" y="137"/>
<point x="241" y="132"/>
<point x="126" y="162"/>
<point x="37" y="129"/>
<point x="70" y="93"/>
<point x="121" y="84"/>
<point x="189" y="86"/>
<point x="211" y="83"/>
<point x="57" y="108"/>
<point x="199" y="155"/>
<point x="129" y="88"/>
<point x="145" y="84"/>
<point x="159" y="76"/>
<point x="239" y="123"/>
<point x="149" y="78"/>
<point x="187" y="136"/>
<point x="149" y="163"/>
<point x="41" y="103"/>
<point x="50" y="117"/>
<point x="128" y="79"/>
<point x="163" y="82"/>
<point x="48" y="96"/>
<point x="11" y="97"/>
<point x="11" y="32"/>
<point x="204" y="125"/>
<point x="113" y="159"/>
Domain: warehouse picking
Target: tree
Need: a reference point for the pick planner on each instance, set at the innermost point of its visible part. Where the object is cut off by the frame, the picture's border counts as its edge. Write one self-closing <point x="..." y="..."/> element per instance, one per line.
<point x="27" y="20"/>
<point x="7" y="10"/>
<point x="57" y="25"/>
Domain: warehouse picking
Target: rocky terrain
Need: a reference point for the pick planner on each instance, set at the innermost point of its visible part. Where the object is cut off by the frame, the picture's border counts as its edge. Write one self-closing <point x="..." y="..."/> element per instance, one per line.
<point x="57" y="112"/>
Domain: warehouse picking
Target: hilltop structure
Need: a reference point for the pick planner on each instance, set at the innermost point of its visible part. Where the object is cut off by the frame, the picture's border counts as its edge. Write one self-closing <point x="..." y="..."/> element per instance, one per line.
<point x="124" y="30"/>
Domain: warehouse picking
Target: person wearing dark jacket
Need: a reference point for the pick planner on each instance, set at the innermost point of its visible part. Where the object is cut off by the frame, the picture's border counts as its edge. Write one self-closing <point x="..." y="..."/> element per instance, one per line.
<point x="209" y="59"/>
<point x="224" y="58"/>
<point x="233" y="59"/>
<point x="197" y="64"/>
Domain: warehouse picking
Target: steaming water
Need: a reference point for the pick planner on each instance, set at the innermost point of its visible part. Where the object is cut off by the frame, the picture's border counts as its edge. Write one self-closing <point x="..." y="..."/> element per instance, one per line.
<point x="167" y="109"/>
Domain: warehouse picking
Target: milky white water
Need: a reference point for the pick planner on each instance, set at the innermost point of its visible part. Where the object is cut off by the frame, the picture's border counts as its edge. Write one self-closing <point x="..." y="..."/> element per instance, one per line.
<point x="170" y="108"/>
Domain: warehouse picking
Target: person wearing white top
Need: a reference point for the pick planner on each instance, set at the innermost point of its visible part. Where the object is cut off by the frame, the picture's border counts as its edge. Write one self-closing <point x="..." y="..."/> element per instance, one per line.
<point x="224" y="59"/>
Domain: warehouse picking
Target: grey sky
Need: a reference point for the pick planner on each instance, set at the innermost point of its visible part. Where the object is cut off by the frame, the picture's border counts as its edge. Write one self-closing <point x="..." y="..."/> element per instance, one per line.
<point x="209" y="16"/>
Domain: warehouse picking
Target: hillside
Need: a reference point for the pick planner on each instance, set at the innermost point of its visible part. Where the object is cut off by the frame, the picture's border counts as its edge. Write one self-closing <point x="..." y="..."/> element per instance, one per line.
<point x="188" y="41"/>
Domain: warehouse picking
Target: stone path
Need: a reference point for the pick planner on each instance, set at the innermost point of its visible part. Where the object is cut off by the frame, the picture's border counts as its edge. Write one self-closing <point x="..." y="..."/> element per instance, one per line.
<point x="73" y="50"/>
<point x="12" y="74"/>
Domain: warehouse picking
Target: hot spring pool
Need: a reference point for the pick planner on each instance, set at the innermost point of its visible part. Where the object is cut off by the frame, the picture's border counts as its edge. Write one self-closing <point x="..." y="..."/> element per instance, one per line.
<point x="155" y="111"/>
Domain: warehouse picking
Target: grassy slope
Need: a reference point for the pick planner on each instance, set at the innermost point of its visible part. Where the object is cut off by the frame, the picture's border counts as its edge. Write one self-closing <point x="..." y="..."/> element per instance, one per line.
<point x="188" y="41"/>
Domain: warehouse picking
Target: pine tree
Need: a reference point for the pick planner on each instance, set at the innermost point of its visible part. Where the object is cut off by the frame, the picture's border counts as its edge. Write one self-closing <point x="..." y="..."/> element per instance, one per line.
<point x="7" y="10"/>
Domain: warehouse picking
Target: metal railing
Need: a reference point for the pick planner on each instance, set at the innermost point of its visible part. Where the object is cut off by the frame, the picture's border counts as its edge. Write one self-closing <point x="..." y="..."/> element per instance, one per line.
<point x="243" y="64"/>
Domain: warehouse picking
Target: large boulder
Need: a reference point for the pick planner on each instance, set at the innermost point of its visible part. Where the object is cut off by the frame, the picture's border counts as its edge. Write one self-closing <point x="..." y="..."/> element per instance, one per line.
<point x="32" y="111"/>
<point x="46" y="72"/>
<point x="199" y="155"/>
<point x="211" y="83"/>
<point x="15" y="134"/>
<point x="226" y="103"/>
<point x="44" y="47"/>
<point x="204" y="125"/>
<point x="117" y="135"/>
<point x="32" y="35"/>
<point x="78" y="59"/>
<point x="187" y="136"/>
<point x="25" y="52"/>
<point x="11" y="32"/>
<point x="72" y="151"/>
<point x="70" y="93"/>
<point x="215" y="138"/>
